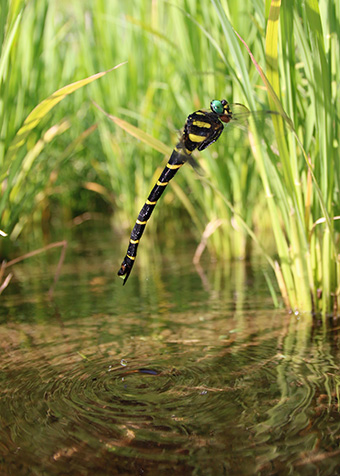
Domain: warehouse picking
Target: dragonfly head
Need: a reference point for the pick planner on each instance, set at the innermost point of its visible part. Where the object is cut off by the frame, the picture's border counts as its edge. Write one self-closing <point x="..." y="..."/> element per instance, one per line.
<point x="222" y="109"/>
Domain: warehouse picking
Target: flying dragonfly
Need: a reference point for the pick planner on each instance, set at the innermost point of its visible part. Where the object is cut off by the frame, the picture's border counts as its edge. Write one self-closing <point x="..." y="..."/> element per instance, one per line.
<point x="202" y="128"/>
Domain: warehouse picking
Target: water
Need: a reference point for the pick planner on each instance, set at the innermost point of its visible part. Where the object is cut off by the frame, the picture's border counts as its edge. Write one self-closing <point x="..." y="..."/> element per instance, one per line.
<point x="175" y="373"/>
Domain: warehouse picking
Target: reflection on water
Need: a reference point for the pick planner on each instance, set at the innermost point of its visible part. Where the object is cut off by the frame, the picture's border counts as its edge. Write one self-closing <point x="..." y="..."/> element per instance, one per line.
<point x="163" y="375"/>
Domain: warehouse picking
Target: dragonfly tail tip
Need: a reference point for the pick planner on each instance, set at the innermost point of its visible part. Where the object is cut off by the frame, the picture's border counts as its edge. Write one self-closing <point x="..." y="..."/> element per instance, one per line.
<point x="124" y="271"/>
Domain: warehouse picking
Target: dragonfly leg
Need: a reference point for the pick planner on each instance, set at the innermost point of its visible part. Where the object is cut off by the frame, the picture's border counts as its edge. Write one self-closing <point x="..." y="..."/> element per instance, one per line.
<point x="211" y="138"/>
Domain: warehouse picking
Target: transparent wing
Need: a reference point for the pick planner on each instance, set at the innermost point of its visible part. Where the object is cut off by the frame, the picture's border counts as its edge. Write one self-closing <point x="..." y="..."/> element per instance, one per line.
<point x="242" y="115"/>
<point x="238" y="128"/>
<point x="195" y="165"/>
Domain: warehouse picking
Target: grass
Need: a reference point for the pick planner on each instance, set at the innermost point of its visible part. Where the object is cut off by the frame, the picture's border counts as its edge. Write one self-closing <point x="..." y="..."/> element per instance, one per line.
<point x="180" y="55"/>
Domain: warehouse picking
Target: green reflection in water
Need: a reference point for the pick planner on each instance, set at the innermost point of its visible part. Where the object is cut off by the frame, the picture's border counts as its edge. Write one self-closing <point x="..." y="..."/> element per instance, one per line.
<point x="304" y="423"/>
<point x="175" y="373"/>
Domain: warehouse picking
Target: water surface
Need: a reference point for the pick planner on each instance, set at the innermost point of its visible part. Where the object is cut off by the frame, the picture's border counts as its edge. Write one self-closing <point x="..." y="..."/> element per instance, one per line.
<point x="181" y="371"/>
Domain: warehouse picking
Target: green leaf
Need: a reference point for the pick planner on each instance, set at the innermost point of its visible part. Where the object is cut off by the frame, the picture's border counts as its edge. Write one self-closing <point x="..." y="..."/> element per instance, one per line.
<point x="138" y="133"/>
<point x="12" y="161"/>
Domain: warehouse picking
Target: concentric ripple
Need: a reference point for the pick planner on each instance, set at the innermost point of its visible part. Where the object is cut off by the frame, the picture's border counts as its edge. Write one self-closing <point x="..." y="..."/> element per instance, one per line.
<point x="140" y="408"/>
<point x="72" y="403"/>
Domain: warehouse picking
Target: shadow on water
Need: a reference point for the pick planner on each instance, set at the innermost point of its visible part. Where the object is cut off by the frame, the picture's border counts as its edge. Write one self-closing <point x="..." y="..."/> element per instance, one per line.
<point x="163" y="375"/>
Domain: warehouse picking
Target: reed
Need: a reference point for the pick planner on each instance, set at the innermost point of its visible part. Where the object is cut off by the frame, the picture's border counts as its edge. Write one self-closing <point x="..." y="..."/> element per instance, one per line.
<point x="301" y="185"/>
<point x="180" y="56"/>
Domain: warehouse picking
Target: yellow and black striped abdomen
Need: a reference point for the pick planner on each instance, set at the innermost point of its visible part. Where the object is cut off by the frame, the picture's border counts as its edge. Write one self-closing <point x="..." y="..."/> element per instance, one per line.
<point x="178" y="157"/>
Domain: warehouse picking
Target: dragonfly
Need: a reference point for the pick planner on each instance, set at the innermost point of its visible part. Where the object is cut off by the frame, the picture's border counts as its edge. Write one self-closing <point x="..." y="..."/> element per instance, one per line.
<point x="202" y="128"/>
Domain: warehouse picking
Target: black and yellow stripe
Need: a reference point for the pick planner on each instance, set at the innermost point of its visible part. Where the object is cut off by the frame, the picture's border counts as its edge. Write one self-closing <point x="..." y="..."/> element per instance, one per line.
<point x="201" y="129"/>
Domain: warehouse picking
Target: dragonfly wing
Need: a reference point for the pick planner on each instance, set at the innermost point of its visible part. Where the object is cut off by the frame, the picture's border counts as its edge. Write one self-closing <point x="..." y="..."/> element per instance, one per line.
<point x="242" y="118"/>
<point x="196" y="166"/>
<point x="242" y="115"/>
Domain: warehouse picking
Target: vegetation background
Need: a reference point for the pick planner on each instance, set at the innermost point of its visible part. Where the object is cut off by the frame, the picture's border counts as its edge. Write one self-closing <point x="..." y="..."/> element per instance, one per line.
<point x="69" y="159"/>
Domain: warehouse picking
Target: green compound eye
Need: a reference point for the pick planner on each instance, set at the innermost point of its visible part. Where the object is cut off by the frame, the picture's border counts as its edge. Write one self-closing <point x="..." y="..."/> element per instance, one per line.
<point x="217" y="106"/>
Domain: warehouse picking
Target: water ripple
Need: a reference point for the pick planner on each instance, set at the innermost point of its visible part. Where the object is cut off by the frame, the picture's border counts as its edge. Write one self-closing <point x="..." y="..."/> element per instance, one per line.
<point x="72" y="403"/>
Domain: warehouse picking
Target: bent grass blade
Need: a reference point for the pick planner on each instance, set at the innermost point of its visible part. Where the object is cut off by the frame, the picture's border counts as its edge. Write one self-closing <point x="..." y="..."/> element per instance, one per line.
<point x="12" y="161"/>
<point x="137" y="133"/>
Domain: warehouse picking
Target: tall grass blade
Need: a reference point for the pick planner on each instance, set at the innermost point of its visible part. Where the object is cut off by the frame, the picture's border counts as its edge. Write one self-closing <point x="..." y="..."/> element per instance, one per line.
<point x="13" y="161"/>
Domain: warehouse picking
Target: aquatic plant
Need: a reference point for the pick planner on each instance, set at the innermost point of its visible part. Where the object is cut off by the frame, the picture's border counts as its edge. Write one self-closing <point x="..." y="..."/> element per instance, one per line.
<point x="180" y="56"/>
